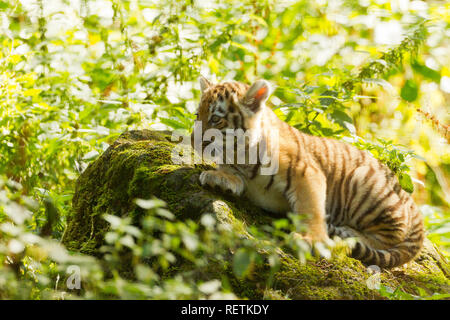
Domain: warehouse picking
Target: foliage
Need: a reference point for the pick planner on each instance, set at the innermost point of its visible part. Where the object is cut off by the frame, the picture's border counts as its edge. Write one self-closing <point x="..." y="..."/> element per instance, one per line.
<point x="74" y="75"/>
<point x="157" y="252"/>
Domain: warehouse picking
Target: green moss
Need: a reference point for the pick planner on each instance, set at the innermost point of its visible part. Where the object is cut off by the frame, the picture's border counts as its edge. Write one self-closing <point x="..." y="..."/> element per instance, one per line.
<point x="343" y="278"/>
<point x="138" y="165"/>
<point x="129" y="169"/>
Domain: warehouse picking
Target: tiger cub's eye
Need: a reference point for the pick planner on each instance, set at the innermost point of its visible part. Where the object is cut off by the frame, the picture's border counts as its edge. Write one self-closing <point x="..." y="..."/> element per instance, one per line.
<point x="215" y="119"/>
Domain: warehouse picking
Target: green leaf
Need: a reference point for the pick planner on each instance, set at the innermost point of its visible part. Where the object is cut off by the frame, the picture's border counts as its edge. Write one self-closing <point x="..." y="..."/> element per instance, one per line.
<point x="406" y="182"/>
<point x="242" y="262"/>
<point x="173" y="123"/>
<point x="329" y="97"/>
<point x="409" y="91"/>
<point x="341" y="117"/>
<point x="281" y="223"/>
<point x="426" y="72"/>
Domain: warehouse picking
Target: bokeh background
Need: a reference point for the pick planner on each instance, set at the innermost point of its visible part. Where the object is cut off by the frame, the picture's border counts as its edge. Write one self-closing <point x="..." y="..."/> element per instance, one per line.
<point x="75" y="74"/>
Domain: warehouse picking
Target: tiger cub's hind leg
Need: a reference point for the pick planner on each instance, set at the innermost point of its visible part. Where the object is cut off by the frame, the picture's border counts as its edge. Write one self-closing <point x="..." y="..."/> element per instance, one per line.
<point x="363" y="249"/>
<point x="307" y="194"/>
<point x="345" y="232"/>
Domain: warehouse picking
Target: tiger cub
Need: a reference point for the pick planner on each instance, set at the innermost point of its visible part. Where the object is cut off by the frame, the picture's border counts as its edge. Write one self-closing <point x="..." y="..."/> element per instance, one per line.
<point x="341" y="190"/>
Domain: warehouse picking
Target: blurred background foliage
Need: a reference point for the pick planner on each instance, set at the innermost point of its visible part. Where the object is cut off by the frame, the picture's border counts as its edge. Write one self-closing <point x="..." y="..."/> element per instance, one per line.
<point x="76" y="74"/>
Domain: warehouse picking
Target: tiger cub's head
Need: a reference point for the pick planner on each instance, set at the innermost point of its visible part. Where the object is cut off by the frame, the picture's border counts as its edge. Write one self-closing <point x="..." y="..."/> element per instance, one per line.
<point x="230" y="105"/>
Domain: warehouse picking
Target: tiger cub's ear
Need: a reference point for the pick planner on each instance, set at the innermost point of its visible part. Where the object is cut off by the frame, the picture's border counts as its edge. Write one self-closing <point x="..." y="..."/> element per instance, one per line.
<point x="204" y="83"/>
<point x="257" y="94"/>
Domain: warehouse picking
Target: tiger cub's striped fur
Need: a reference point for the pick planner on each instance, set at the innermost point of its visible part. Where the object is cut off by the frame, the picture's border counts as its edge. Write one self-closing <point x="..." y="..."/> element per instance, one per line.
<point x="342" y="190"/>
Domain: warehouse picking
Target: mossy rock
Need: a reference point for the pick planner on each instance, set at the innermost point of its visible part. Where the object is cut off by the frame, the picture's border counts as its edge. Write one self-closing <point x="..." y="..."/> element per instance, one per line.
<point x="138" y="165"/>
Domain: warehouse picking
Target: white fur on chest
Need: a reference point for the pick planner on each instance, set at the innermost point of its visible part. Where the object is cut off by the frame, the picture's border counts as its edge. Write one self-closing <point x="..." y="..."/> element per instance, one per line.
<point x="272" y="199"/>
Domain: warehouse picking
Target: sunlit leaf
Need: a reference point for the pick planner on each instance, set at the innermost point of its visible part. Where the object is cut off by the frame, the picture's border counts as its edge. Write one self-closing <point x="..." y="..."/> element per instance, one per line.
<point x="409" y="91"/>
<point x="406" y="182"/>
<point x="242" y="262"/>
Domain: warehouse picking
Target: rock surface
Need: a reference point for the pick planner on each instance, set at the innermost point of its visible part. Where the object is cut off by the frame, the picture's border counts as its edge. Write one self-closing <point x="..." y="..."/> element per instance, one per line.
<point x="138" y="165"/>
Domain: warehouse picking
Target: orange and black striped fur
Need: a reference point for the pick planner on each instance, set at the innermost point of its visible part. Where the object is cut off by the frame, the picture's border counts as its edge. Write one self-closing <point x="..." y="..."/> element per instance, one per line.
<point x="342" y="190"/>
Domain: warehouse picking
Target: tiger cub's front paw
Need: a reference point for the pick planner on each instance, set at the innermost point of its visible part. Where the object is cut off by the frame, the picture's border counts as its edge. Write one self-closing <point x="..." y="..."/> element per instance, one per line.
<point x="225" y="181"/>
